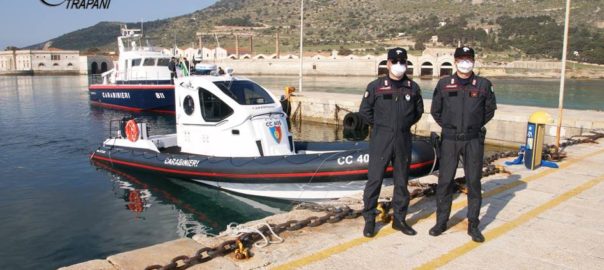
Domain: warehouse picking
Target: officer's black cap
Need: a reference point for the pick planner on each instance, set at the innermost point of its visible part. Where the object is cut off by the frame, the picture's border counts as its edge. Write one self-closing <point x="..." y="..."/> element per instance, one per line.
<point x="464" y="52"/>
<point x="397" y="54"/>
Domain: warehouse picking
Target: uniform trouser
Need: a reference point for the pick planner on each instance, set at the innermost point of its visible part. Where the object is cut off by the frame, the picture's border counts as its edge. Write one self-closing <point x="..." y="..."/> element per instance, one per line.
<point x="472" y="152"/>
<point x="172" y="76"/>
<point x="384" y="148"/>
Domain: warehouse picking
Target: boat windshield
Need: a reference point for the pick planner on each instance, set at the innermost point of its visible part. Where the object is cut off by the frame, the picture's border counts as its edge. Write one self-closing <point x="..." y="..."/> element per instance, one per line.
<point x="245" y="92"/>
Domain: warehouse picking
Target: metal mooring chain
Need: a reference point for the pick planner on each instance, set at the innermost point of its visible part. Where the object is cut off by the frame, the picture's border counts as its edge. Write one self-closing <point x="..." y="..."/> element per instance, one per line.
<point x="334" y="214"/>
<point x="338" y="213"/>
<point x="550" y="152"/>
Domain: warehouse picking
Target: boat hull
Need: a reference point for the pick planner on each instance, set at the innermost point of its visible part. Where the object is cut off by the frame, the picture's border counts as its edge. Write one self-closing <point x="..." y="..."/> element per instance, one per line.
<point x="129" y="97"/>
<point x="333" y="173"/>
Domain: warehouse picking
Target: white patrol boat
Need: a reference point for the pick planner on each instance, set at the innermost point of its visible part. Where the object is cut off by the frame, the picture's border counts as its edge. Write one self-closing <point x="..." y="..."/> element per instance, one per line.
<point x="232" y="134"/>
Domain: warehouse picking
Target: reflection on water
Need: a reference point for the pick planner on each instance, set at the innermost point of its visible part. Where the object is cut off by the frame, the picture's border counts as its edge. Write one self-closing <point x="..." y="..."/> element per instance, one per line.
<point x="201" y="209"/>
<point x="57" y="209"/>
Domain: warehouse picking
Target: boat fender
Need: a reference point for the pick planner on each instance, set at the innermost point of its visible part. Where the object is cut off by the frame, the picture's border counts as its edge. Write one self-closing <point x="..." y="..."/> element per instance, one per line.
<point x="353" y="121"/>
<point x="355" y="127"/>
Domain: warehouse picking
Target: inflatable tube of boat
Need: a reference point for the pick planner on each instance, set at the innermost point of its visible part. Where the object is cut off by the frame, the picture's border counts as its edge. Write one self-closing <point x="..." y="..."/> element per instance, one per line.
<point x="315" y="162"/>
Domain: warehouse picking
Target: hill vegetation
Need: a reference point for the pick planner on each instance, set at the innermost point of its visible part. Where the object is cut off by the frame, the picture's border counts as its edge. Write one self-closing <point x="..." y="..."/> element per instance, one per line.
<point x="530" y="28"/>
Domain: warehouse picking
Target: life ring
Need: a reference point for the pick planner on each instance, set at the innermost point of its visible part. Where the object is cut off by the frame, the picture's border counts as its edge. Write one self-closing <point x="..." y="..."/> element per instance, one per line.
<point x="132" y="130"/>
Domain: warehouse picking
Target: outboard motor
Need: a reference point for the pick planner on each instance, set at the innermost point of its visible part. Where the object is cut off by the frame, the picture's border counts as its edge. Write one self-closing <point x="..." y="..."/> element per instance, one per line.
<point x="204" y="69"/>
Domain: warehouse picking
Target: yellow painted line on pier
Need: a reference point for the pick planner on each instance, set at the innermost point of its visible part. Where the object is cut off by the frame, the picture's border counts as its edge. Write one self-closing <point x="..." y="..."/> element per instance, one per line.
<point x="505" y="228"/>
<point x="459" y="204"/>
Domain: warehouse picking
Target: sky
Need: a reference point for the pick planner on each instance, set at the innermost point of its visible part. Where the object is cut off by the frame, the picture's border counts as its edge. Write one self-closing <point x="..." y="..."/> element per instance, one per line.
<point x="28" y="22"/>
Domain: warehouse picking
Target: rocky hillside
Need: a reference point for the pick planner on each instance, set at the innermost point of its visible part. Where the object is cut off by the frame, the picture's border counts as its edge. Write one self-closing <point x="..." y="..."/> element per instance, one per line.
<point x="332" y="24"/>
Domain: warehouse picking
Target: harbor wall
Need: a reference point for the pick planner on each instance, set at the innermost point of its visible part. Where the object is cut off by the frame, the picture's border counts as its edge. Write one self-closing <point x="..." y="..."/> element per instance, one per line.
<point x="507" y="128"/>
<point x="367" y="66"/>
<point x="311" y="67"/>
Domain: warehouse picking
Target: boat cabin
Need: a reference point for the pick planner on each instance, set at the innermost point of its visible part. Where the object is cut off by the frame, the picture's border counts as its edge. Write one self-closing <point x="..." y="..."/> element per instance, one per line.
<point x="229" y="116"/>
<point x="138" y="64"/>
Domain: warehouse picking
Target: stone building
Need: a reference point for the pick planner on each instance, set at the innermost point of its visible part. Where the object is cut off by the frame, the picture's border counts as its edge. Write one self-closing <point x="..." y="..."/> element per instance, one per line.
<point x="50" y="61"/>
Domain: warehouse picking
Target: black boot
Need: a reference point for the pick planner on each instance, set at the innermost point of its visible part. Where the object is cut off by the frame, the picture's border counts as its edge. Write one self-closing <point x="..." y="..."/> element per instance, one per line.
<point x="369" y="229"/>
<point x="475" y="233"/>
<point x="438" y="229"/>
<point x="401" y="225"/>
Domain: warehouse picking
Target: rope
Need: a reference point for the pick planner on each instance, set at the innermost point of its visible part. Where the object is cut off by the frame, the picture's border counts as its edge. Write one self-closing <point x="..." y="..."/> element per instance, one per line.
<point x="315" y="173"/>
<point x="235" y="229"/>
<point x="434" y="163"/>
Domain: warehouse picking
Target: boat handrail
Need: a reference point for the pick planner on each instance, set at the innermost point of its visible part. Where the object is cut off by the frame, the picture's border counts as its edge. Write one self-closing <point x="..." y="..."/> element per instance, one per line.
<point x="263" y="114"/>
<point x="105" y="75"/>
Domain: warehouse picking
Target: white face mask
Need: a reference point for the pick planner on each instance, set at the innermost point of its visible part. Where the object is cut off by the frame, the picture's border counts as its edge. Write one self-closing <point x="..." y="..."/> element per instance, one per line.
<point x="398" y="70"/>
<point x="465" y="66"/>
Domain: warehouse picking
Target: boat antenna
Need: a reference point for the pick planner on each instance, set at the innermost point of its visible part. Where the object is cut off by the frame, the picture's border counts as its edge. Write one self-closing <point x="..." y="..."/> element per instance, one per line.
<point x="216" y="49"/>
<point x="301" y="44"/>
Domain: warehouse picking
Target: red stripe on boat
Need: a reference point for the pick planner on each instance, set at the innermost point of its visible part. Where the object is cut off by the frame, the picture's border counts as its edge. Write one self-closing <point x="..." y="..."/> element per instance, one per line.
<point x="126" y="108"/>
<point x="266" y="175"/>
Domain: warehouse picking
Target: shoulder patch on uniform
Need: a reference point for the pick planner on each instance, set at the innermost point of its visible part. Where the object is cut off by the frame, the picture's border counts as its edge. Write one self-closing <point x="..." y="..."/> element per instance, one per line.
<point x="366" y="94"/>
<point x="492" y="89"/>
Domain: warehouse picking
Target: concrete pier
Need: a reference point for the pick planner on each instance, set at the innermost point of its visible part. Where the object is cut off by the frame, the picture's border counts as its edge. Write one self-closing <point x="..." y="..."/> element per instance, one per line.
<point x="508" y="127"/>
<point x="542" y="219"/>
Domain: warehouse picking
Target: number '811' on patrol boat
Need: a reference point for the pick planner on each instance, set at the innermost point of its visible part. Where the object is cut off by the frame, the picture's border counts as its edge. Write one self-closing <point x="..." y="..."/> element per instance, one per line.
<point x="232" y="134"/>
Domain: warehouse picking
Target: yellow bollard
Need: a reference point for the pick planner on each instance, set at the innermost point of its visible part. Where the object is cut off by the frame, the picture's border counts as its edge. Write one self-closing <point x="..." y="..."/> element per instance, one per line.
<point x="535" y="133"/>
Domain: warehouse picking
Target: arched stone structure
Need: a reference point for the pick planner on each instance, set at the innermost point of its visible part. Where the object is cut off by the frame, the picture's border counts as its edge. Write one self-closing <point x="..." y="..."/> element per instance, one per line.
<point x="427" y="69"/>
<point x="94" y="68"/>
<point x="383" y="68"/>
<point x="409" y="68"/>
<point x="445" y="69"/>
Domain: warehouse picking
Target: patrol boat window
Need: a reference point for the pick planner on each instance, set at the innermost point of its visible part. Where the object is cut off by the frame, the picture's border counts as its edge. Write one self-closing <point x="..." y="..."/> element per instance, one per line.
<point x="245" y="92"/>
<point x="213" y="109"/>
<point x="149" y="62"/>
<point x="163" y="62"/>
<point x="136" y="62"/>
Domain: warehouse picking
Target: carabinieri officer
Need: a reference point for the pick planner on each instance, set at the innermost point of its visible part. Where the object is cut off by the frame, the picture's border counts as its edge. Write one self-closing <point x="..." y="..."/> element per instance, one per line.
<point x="391" y="105"/>
<point x="462" y="105"/>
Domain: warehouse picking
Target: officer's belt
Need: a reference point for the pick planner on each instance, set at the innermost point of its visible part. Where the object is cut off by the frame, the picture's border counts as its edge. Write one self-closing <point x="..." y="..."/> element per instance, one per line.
<point x="460" y="136"/>
<point x="377" y="127"/>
